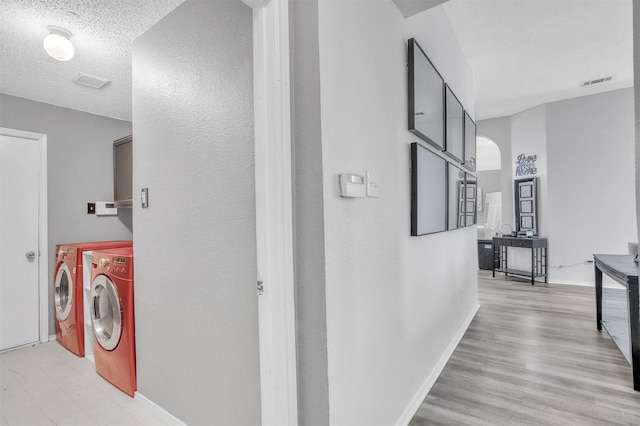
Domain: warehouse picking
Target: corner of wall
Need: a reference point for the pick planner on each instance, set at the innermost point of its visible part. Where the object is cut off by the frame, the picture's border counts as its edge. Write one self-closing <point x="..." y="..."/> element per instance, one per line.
<point x="308" y="206"/>
<point x="636" y="62"/>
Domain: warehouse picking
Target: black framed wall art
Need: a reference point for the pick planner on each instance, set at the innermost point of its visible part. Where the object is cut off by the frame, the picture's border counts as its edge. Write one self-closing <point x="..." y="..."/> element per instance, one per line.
<point x="471" y="199"/>
<point x="454" y="133"/>
<point x="525" y="191"/>
<point x="428" y="191"/>
<point x="455" y="197"/>
<point x="469" y="143"/>
<point x="426" y="97"/>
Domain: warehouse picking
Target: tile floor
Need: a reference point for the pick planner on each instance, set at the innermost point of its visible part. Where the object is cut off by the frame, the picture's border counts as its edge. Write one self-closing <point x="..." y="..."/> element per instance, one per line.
<point x="45" y="384"/>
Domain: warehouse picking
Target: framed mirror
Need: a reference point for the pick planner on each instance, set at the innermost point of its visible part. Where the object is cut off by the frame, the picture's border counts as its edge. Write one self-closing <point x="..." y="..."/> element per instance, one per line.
<point x="526" y="204"/>
<point x="426" y="98"/>
<point x="454" y="140"/>
<point x="471" y="199"/>
<point x="469" y="143"/>
<point x="428" y="191"/>
<point x="455" y="197"/>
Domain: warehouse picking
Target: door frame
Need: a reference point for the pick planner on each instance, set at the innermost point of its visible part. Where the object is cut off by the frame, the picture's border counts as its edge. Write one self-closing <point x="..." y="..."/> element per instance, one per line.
<point x="274" y="212"/>
<point x="43" y="233"/>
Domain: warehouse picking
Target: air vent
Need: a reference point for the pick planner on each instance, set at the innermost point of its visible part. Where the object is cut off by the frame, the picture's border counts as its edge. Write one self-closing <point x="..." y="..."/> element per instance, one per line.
<point x="90" y="80"/>
<point x="597" y="80"/>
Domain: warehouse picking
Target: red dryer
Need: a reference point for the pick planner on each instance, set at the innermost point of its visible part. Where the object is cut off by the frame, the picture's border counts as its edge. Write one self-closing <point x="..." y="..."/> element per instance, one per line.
<point x="68" y="300"/>
<point x="112" y="317"/>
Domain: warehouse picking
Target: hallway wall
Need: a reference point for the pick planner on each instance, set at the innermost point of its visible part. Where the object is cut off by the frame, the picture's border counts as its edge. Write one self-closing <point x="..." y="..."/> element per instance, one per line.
<point x="395" y="303"/>
<point x="195" y="245"/>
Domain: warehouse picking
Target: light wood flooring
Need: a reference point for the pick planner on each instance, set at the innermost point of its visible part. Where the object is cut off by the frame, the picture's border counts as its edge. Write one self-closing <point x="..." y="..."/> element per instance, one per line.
<point x="533" y="356"/>
<point x="46" y="385"/>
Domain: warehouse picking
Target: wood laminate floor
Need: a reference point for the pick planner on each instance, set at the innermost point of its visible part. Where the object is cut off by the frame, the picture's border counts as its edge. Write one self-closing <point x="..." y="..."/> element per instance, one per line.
<point x="533" y="356"/>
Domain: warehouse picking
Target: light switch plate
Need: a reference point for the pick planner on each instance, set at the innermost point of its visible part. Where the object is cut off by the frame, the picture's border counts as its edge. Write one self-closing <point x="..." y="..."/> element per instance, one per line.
<point x="144" y="198"/>
<point x="373" y="187"/>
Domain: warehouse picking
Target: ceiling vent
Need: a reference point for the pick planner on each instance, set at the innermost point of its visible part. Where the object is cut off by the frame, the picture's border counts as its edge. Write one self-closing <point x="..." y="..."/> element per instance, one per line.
<point x="597" y="80"/>
<point x="90" y="80"/>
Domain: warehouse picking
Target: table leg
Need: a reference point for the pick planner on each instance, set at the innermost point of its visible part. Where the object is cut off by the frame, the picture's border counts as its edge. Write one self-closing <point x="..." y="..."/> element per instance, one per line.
<point x="495" y="258"/>
<point x="634" y="319"/>
<point x="598" y="296"/>
<point x="505" y="259"/>
<point x="533" y="264"/>
<point x="546" y="258"/>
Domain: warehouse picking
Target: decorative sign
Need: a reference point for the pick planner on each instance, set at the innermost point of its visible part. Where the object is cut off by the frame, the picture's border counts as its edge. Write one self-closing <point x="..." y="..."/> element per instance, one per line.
<point x="526" y="165"/>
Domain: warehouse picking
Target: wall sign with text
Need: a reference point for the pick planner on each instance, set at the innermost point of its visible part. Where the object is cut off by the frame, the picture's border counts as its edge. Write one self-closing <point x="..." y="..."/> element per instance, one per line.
<point x="526" y="165"/>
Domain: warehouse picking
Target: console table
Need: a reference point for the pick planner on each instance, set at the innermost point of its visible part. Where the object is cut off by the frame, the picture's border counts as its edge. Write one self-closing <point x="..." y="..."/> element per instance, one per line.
<point x="538" y="247"/>
<point x="622" y="322"/>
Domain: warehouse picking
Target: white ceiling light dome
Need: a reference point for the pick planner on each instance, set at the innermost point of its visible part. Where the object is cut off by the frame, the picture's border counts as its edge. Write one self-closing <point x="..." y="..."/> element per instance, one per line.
<point x="58" y="44"/>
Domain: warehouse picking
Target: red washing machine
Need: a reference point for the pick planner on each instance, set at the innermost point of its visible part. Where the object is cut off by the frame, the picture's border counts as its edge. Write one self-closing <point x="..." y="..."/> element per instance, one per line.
<point x="68" y="300"/>
<point x="112" y="317"/>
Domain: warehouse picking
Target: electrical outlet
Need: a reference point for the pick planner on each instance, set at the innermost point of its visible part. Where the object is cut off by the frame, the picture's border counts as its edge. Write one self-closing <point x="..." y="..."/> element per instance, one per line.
<point x="91" y="208"/>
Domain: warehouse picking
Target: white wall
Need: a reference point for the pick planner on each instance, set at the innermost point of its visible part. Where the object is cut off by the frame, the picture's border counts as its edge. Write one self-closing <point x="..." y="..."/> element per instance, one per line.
<point x="586" y="170"/>
<point x="394" y="302"/>
<point x="636" y="79"/>
<point x="529" y="137"/>
<point x="309" y="248"/>
<point x="79" y="170"/>
<point x="591" y="175"/>
<point x="195" y="246"/>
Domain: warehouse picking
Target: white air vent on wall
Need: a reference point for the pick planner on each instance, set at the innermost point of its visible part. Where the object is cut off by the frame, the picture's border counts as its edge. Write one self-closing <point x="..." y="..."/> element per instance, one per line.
<point x="90" y="80"/>
<point x="597" y="80"/>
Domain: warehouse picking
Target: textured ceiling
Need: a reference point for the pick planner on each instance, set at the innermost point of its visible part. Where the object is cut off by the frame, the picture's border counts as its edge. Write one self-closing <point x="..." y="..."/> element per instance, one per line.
<point x="103" y="32"/>
<point x="527" y="53"/>
<point x="523" y="52"/>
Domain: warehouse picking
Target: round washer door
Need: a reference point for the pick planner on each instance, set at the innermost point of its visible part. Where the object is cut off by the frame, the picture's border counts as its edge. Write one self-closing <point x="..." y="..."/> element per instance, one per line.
<point x="63" y="293"/>
<point x="106" y="314"/>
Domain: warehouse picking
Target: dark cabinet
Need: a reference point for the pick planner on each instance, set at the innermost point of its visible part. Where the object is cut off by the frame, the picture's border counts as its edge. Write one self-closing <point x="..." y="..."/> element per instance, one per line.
<point x="123" y="172"/>
<point x="485" y="254"/>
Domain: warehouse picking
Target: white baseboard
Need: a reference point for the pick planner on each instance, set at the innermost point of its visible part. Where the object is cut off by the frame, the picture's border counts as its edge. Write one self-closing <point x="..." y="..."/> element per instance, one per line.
<point x="158" y="411"/>
<point x="422" y="393"/>
<point x="53" y="338"/>
<point x="578" y="283"/>
<point x="583" y="284"/>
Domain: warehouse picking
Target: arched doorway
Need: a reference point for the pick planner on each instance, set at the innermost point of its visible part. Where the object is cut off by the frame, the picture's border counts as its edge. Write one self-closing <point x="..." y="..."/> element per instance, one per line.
<point x="488" y="170"/>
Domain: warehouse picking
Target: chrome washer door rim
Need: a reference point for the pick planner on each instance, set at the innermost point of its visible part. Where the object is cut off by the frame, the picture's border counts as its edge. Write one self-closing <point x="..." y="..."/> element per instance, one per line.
<point x="63" y="293"/>
<point x="106" y="312"/>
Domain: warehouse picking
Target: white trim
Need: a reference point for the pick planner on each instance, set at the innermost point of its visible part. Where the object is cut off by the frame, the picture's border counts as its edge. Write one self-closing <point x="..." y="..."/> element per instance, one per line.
<point x="578" y="283"/>
<point x="53" y="338"/>
<point x="274" y="215"/>
<point x="43" y="232"/>
<point x="16" y="348"/>
<point x="158" y="411"/>
<point x="422" y="393"/>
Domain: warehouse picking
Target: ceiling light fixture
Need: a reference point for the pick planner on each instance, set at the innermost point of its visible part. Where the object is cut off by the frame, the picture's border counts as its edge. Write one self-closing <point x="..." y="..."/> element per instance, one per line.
<point x="57" y="43"/>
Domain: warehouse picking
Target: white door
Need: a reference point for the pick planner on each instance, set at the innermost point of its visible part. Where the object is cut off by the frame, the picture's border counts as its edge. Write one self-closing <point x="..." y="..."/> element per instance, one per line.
<point x="19" y="284"/>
